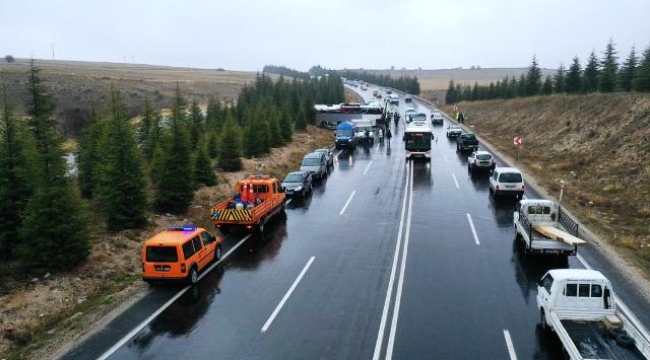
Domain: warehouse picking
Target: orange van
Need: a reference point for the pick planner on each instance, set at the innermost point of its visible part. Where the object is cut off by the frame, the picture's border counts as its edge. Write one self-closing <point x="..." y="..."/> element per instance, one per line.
<point x="179" y="253"/>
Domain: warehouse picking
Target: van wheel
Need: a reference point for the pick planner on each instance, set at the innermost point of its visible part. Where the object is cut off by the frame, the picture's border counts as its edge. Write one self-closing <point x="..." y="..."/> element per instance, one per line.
<point x="217" y="253"/>
<point x="542" y="320"/>
<point x="194" y="275"/>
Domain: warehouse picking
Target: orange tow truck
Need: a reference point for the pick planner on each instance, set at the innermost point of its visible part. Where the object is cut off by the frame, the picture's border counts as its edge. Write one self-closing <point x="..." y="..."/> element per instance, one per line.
<point x="257" y="199"/>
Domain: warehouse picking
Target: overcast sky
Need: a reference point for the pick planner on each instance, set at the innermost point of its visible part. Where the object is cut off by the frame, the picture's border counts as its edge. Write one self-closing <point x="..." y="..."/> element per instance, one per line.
<point x="372" y="34"/>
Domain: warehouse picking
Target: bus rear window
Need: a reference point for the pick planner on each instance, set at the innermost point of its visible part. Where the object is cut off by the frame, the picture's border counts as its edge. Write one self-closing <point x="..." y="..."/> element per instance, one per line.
<point x="161" y="254"/>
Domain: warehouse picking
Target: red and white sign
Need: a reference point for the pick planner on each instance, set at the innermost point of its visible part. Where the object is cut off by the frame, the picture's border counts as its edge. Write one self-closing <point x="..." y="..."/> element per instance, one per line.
<point x="517" y="140"/>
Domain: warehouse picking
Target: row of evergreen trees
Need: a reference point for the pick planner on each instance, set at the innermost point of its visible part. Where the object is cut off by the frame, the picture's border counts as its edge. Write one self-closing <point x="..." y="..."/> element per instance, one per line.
<point x="407" y="84"/>
<point x="285" y="71"/>
<point x="124" y="170"/>
<point x="599" y="75"/>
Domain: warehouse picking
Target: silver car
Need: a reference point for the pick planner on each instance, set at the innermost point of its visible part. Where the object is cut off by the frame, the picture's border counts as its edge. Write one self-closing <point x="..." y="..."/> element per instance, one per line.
<point x="316" y="164"/>
<point x="480" y="160"/>
<point x="329" y="156"/>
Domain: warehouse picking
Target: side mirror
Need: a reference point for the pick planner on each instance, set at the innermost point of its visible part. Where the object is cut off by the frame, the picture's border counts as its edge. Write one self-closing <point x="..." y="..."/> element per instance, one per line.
<point x="539" y="283"/>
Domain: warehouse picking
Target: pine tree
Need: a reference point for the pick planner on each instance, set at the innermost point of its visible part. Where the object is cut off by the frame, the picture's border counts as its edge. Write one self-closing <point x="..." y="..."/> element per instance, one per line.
<point x="88" y="155"/>
<point x="120" y="185"/>
<point x="275" y="133"/>
<point x="560" y="80"/>
<point x="591" y="74"/>
<point x="627" y="71"/>
<point x="641" y="81"/>
<point x="16" y="185"/>
<point x="607" y="80"/>
<point x="157" y="161"/>
<point x="175" y="187"/>
<point x="547" y="87"/>
<point x="574" y="77"/>
<point x="203" y="172"/>
<point x="213" y="144"/>
<point x="533" y="79"/>
<point x="286" y="124"/>
<point x="144" y="131"/>
<point x="522" y="86"/>
<point x="196" y="125"/>
<point x="230" y="143"/>
<point x="301" y="120"/>
<point x="54" y="227"/>
<point x="450" y="97"/>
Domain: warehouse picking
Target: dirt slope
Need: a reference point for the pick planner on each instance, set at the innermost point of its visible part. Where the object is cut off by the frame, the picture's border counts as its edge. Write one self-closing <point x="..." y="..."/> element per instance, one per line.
<point x="598" y="145"/>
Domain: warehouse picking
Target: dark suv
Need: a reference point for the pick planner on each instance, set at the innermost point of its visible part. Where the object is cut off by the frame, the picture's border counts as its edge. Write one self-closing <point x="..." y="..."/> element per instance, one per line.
<point x="467" y="141"/>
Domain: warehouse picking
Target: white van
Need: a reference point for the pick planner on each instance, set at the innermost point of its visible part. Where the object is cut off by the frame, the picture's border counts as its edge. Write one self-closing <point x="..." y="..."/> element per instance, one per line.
<point x="507" y="181"/>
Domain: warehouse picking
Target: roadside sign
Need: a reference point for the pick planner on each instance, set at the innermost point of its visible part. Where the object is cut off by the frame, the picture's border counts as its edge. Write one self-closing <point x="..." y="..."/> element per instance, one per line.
<point x="517" y="140"/>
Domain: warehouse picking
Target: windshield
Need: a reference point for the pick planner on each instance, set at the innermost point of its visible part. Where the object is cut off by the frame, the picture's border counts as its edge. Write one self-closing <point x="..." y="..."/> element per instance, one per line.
<point x="510" y="178"/>
<point x="468" y="136"/>
<point x="484" y="156"/>
<point x="345" y="132"/>
<point x="417" y="141"/>
<point x="418" y="117"/>
<point x="293" y="178"/>
<point x="310" y="162"/>
<point x="161" y="254"/>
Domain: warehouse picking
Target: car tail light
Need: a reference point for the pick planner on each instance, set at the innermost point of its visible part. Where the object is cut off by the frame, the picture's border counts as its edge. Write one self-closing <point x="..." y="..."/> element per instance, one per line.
<point x="522" y="189"/>
<point x="183" y="268"/>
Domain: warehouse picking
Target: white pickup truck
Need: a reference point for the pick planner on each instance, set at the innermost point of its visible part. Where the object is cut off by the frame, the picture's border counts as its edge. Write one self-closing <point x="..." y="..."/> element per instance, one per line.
<point x="580" y="306"/>
<point x="544" y="228"/>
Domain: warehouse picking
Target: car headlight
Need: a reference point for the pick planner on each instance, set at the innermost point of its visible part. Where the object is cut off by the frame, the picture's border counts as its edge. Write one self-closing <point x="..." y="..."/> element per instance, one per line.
<point x="298" y="188"/>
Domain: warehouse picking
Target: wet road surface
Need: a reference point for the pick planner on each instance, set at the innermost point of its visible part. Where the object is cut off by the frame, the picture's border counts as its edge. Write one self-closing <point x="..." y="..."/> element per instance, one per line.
<point x="386" y="259"/>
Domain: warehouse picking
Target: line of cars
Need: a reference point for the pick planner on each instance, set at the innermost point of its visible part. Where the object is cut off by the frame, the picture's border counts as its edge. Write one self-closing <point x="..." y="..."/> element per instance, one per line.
<point x="314" y="165"/>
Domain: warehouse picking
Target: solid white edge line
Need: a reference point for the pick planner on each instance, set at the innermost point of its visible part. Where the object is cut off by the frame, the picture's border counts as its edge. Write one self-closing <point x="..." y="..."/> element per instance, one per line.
<point x="288" y="202"/>
<point x="400" y="283"/>
<point x="511" y="347"/>
<point x="347" y="202"/>
<point x="367" y="167"/>
<point x="471" y="224"/>
<point x="389" y="291"/>
<point x="377" y="149"/>
<point x="455" y="180"/>
<point x="268" y="322"/>
<point x="146" y="322"/>
<point x="626" y="310"/>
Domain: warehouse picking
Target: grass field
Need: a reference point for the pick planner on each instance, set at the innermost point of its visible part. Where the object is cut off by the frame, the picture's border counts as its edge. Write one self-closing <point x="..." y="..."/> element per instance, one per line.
<point x="75" y="85"/>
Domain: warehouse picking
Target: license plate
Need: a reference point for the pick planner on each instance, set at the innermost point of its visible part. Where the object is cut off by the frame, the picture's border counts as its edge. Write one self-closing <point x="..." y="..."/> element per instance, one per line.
<point x="510" y="186"/>
<point x="161" y="267"/>
<point x="485" y="163"/>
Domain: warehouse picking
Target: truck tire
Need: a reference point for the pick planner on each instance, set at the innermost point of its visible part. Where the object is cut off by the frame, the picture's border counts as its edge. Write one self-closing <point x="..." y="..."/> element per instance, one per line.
<point x="542" y="320"/>
<point x="625" y="341"/>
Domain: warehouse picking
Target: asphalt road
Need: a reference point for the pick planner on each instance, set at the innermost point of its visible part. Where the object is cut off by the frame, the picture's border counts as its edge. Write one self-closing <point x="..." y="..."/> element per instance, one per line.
<point x="386" y="259"/>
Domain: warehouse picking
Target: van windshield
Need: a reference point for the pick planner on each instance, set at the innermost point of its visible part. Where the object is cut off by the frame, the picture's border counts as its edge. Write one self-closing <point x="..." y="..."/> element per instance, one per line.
<point x="161" y="254"/>
<point x="510" y="178"/>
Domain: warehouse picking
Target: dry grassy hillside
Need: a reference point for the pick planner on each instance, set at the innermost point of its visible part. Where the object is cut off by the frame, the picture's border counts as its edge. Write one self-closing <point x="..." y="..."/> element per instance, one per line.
<point x="599" y="145"/>
<point x="76" y="84"/>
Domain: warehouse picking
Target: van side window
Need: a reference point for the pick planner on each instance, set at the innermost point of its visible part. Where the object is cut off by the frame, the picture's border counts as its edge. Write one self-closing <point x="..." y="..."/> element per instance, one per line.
<point x="207" y="238"/>
<point x="571" y="290"/>
<point x="596" y="290"/>
<point x="547" y="282"/>
<point x="197" y="243"/>
<point x="583" y="290"/>
<point x="188" y="250"/>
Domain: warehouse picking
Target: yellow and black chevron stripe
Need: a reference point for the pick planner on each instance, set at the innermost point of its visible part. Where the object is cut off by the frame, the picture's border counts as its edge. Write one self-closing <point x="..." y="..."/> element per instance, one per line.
<point x="234" y="215"/>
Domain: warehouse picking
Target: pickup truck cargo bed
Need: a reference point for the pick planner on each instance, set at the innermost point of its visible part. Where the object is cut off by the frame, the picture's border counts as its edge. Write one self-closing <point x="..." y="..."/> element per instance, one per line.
<point x="594" y="341"/>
